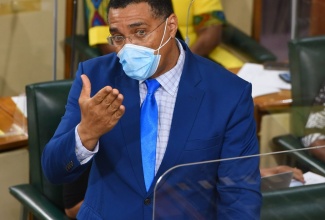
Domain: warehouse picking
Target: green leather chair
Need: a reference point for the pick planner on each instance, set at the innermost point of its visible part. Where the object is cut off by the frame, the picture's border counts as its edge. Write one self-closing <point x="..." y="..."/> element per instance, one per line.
<point x="302" y="202"/>
<point x="245" y="45"/>
<point x="307" y="62"/>
<point x="45" y="107"/>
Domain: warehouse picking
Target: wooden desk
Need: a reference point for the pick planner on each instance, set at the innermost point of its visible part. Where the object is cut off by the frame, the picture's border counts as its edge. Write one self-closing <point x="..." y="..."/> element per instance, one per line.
<point x="13" y="126"/>
<point x="271" y="103"/>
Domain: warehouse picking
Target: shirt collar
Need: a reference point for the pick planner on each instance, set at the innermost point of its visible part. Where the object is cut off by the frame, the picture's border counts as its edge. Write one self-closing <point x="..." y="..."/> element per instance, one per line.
<point x="169" y="81"/>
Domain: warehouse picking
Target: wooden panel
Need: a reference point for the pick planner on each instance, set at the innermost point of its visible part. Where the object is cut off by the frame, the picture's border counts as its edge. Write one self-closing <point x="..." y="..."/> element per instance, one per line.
<point x="257" y="19"/>
<point x="68" y="32"/>
<point x="317" y="18"/>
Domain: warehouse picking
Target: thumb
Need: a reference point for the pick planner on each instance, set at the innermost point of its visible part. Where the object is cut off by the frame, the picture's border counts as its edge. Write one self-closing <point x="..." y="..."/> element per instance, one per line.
<point x="86" y="87"/>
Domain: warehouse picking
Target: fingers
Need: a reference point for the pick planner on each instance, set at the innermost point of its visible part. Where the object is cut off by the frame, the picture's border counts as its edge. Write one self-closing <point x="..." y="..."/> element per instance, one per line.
<point x="101" y="96"/>
<point x="86" y="91"/>
<point x="113" y="101"/>
<point x="86" y="87"/>
<point x="110" y="98"/>
<point x="115" y="109"/>
<point x="118" y="114"/>
<point x="106" y="94"/>
<point x="298" y="175"/>
<point x="103" y="110"/>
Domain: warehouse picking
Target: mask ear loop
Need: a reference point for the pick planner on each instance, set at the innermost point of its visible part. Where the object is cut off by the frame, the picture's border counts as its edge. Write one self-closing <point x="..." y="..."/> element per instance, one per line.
<point x="160" y="46"/>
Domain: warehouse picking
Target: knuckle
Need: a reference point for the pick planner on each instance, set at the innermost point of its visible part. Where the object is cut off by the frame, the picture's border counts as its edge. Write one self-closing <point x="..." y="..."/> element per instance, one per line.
<point x="113" y="107"/>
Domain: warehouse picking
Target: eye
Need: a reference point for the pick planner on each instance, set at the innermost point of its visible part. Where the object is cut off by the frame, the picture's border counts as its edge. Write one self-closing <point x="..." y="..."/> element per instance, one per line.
<point x="118" y="38"/>
<point x="140" y="33"/>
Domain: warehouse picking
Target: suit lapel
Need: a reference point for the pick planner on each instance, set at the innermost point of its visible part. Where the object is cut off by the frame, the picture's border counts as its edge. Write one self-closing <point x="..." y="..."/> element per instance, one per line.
<point x="187" y="104"/>
<point x="131" y="119"/>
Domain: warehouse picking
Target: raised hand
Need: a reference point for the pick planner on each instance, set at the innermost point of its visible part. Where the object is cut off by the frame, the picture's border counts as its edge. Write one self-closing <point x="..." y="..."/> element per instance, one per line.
<point x="99" y="114"/>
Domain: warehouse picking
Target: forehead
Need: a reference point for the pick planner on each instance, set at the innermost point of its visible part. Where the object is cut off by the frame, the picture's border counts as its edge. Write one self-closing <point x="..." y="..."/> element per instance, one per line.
<point x="135" y="12"/>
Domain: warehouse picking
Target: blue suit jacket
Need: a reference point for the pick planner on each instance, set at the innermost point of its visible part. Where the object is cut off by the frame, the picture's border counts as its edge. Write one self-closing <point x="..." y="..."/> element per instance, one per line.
<point x="213" y="119"/>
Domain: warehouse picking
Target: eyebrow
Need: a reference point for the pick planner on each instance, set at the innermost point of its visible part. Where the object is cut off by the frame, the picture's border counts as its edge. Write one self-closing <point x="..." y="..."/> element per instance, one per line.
<point x="133" y="25"/>
<point x="137" y="24"/>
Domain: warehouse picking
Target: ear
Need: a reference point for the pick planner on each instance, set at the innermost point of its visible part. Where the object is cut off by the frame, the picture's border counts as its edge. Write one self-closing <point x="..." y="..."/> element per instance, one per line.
<point x="172" y="25"/>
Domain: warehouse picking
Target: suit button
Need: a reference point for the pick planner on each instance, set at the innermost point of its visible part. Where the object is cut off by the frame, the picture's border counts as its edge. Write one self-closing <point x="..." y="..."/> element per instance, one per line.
<point x="147" y="201"/>
<point x="69" y="166"/>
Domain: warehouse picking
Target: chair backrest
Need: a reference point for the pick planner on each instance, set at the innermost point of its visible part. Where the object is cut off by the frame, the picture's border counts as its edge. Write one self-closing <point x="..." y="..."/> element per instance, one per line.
<point x="307" y="67"/>
<point x="294" y="203"/>
<point x="45" y="106"/>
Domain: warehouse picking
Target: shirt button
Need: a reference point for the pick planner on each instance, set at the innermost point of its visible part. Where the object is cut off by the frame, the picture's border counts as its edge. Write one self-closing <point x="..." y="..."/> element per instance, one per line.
<point x="147" y="201"/>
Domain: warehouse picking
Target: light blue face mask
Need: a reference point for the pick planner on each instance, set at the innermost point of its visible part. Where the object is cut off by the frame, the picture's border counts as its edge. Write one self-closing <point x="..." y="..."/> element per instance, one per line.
<point x="140" y="62"/>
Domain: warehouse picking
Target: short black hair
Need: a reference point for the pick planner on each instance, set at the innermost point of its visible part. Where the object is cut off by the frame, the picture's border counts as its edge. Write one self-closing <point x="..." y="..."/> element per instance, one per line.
<point x="160" y="8"/>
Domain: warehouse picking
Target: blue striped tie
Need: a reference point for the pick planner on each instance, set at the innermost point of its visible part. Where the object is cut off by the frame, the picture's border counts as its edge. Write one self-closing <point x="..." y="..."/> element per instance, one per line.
<point x="149" y="127"/>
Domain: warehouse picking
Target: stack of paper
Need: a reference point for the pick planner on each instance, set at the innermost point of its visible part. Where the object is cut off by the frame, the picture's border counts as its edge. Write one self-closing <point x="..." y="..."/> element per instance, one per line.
<point x="263" y="81"/>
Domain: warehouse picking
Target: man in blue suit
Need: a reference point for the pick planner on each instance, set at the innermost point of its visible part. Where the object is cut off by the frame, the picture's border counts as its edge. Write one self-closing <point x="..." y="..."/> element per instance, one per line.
<point x="205" y="113"/>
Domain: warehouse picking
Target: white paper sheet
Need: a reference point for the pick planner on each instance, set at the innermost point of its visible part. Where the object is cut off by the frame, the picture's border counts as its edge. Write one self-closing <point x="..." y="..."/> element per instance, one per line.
<point x="20" y="101"/>
<point x="310" y="178"/>
<point x="263" y="81"/>
<point x="313" y="178"/>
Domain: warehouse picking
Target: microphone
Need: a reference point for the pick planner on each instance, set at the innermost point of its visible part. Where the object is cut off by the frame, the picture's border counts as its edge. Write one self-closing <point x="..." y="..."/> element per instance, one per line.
<point x="187" y="39"/>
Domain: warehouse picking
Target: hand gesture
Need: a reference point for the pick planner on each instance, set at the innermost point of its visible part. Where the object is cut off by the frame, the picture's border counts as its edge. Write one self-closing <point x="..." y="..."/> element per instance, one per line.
<point x="99" y="114"/>
<point x="297" y="173"/>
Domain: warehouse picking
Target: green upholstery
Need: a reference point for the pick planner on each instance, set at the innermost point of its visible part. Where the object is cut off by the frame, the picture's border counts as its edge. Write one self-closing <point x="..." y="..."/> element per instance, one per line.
<point x="45" y="107"/>
<point x="307" y="63"/>
<point x="306" y="59"/>
<point x="246" y="45"/>
<point x="303" y="202"/>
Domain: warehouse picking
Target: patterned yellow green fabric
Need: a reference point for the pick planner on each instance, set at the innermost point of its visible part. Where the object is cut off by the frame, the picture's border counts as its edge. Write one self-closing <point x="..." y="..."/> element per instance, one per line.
<point x="204" y="13"/>
<point x="208" y="19"/>
<point x="96" y="14"/>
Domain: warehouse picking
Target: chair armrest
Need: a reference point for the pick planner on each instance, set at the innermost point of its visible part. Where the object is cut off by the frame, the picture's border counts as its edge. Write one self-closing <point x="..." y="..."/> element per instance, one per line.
<point x="82" y="46"/>
<point x="290" y="142"/>
<point x="302" y="202"/>
<point x="237" y="39"/>
<point x="36" y="203"/>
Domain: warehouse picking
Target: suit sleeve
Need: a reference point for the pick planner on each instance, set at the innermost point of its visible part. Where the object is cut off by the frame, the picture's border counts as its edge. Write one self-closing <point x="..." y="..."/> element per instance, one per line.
<point x="238" y="184"/>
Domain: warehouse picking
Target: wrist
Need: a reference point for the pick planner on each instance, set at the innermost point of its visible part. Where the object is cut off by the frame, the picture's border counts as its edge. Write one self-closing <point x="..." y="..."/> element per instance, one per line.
<point x="88" y="140"/>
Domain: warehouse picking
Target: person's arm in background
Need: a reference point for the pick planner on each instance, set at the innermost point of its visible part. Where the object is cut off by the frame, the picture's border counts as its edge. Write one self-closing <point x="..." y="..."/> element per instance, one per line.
<point x="318" y="153"/>
<point x="208" y="27"/>
<point x="314" y="129"/>
<point x="297" y="173"/>
<point x="208" y="38"/>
